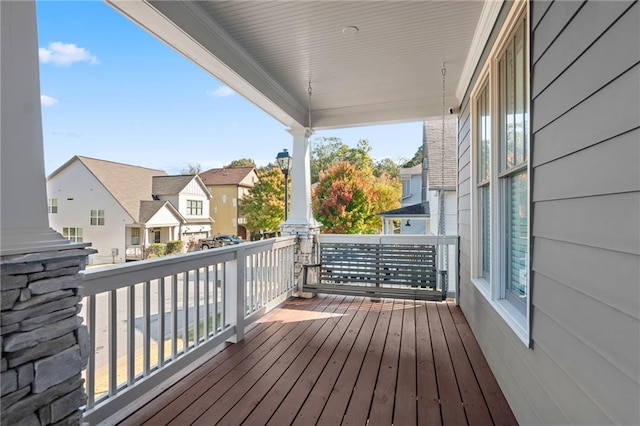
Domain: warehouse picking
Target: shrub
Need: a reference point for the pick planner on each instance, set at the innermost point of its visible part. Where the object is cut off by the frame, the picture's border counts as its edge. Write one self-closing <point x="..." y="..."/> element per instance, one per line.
<point x="155" y="250"/>
<point x="174" y="247"/>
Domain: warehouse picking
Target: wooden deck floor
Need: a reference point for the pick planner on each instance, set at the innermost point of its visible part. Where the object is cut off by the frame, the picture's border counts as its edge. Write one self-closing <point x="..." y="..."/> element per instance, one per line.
<point x="342" y="360"/>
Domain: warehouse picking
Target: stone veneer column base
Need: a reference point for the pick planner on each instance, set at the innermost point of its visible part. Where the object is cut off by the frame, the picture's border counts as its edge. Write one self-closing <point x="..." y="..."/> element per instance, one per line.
<point x="306" y="250"/>
<point x="44" y="346"/>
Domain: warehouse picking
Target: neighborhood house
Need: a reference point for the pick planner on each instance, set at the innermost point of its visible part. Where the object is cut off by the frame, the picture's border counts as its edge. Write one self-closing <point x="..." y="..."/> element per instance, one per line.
<point x="123" y="209"/>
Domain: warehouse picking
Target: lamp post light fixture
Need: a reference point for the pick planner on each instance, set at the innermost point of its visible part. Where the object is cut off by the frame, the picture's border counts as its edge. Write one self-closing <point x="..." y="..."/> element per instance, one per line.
<point x="284" y="162"/>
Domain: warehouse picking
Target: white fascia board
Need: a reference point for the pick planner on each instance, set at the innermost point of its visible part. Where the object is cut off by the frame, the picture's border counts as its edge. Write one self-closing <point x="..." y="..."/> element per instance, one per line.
<point x="488" y="17"/>
<point x="187" y="29"/>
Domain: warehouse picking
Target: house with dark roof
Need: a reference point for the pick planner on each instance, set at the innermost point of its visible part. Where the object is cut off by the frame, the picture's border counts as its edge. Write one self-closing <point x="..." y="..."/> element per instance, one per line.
<point x="122" y="209"/>
<point x="428" y="189"/>
<point x="440" y="169"/>
<point x="228" y="186"/>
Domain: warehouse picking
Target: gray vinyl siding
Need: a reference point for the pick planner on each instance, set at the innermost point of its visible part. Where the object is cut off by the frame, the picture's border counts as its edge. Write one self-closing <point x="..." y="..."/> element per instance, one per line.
<point x="583" y="366"/>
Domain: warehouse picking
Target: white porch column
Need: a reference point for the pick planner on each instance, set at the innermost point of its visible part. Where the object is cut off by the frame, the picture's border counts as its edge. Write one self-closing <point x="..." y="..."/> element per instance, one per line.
<point x="25" y="223"/>
<point x="300" y="221"/>
<point x="300" y="214"/>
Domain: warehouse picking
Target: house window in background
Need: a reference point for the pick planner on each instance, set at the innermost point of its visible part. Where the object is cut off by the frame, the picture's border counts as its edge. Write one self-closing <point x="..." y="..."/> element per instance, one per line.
<point x="97" y="217"/>
<point x="156" y="236"/>
<point x="194" y="207"/>
<point x="406" y="187"/>
<point x="73" y="234"/>
<point x="135" y="236"/>
<point x="52" y="205"/>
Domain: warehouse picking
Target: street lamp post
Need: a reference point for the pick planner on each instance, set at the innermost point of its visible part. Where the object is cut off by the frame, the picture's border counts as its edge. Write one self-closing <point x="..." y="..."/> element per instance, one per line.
<point x="284" y="162"/>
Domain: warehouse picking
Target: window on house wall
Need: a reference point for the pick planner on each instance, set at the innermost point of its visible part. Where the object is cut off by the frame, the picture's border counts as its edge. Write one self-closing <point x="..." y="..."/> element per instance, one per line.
<point x="500" y="120"/>
<point x="194" y="207"/>
<point x="135" y="236"/>
<point x="156" y="236"/>
<point x="483" y="142"/>
<point x="97" y="217"/>
<point x="234" y="202"/>
<point x="73" y="234"/>
<point x="52" y="205"/>
<point x="514" y="146"/>
<point x="224" y="198"/>
<point x="406" y="187"/>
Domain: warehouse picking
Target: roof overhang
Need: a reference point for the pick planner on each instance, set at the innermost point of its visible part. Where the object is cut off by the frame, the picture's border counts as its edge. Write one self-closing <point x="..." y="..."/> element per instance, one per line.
<point x="269" y="51"/>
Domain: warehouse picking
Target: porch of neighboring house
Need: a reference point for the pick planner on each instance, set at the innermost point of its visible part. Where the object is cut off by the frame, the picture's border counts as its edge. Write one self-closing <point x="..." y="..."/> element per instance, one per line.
<point x="341" y="360"/>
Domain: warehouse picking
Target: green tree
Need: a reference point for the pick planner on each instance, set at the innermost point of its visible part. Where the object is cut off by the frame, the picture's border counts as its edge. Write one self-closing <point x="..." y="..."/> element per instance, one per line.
<point x="417" y="158"/>
<point x="345" y="201"/>
<point x="192" y="169"/>
<point x="386" y="167"/>
<point x="388" y="191"/>
<point x="328" y="151"/>
<point x="242" y="162"/>
<point x="263" y="206"/>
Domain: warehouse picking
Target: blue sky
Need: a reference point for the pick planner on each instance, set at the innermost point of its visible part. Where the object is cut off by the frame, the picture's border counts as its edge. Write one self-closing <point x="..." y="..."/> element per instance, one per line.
<point x="111" y="90"/>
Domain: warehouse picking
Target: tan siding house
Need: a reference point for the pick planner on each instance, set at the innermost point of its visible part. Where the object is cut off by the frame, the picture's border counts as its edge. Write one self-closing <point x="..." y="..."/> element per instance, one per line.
<point x="228" y="187"/>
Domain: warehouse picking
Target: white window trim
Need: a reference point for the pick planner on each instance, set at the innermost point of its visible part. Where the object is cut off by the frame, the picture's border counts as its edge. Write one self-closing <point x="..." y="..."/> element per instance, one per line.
<point x="97" y="217"/>
<point x="493" y="290"/>
<point x="409" y="194"/>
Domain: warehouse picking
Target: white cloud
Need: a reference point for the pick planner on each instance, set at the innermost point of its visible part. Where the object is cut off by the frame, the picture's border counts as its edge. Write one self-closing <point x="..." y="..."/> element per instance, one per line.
<point x="222" y="92"/>
<point x="47" y="100"/>
<point x="65" y="54"/>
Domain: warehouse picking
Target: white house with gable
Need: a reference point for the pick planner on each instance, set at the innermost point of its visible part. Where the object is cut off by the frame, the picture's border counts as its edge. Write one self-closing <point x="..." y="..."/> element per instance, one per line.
<point x="123" y="209"/>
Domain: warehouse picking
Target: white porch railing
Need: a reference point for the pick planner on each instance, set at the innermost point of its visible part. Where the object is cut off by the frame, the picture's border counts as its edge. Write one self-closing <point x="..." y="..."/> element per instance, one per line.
<point x="133" y="252"/>
<point x="154" y="319"/>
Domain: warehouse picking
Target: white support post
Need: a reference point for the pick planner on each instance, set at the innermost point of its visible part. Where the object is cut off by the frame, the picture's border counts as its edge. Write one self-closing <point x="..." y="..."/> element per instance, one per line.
<point x="235" y="296"/>
<point x="301" y="221"/>
<point x="300" y="213"/>
<point x="25" y="222"/>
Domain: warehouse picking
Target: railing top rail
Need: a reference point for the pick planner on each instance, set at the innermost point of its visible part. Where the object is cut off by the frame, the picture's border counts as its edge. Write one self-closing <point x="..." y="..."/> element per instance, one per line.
<point x="388" y="239"/>
<point x="101" y="279"/>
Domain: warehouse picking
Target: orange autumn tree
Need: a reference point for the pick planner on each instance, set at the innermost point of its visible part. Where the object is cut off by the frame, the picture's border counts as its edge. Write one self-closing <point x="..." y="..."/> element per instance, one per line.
<point x="346" y="200"/>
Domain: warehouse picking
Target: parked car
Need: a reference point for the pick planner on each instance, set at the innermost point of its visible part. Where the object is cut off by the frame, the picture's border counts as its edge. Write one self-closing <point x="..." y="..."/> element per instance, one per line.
<point x="228" y="239"/>
<point x="218" y="241"/>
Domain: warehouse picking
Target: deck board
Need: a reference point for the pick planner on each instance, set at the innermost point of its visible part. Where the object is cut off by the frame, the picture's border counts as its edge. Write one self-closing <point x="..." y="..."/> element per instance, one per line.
<point x="315" y="337"/>
<point x="341" y="360"/>
<point x="341" y="393"/>
<point x="315" y="403"/>
<point x="405" y="410"/>
<point x="383" y="394"/>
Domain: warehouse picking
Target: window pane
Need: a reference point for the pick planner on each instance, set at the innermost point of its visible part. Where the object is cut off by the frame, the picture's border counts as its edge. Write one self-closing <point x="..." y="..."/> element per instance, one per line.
<point x="486" y="231"/>
<point x="516" y="233"/>
<point x="483" y="135"/>
<point x="519" y="117"/>
<point x="502" y="105"/>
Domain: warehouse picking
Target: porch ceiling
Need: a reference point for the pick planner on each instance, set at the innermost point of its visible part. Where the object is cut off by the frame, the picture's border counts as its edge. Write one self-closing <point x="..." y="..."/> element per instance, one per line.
<point x="267" y="51"/>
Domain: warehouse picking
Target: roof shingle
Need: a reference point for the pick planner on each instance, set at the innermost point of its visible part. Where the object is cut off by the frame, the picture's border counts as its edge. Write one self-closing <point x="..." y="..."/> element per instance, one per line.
<point x="128" y="184"/>
<point x="170" y="185"/>
<point x="442" y="170"/>
<point x="230" y="176"/>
